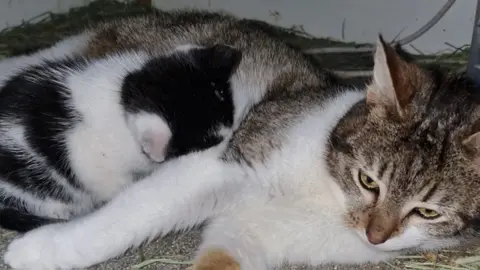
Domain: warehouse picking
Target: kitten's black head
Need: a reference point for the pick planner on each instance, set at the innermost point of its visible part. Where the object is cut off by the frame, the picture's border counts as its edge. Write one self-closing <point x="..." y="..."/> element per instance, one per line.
<point x="191" y="90"/>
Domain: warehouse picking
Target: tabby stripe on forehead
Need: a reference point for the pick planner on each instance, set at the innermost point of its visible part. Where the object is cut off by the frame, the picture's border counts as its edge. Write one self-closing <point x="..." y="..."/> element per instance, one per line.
<point x="382" y="169"/>
<point x="369" y="158"/>
<point x="392" y="171"/>
<point x="416" y="166"/>
<point x="415" y="169"/>
<point x="430" y="193"/>
<point x="443" y="151"/>
<point x="410" y="166"/>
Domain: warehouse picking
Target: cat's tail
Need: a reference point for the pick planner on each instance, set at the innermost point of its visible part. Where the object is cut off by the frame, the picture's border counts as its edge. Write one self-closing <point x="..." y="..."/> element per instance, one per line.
<point x="21" y="221"/>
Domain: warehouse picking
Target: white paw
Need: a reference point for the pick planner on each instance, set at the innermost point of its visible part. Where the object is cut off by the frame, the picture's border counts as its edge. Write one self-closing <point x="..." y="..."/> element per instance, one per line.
<point x="42" y="248"/>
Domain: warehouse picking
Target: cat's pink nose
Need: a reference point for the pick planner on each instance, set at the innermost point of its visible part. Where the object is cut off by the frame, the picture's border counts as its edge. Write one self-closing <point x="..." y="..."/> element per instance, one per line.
<point x="381" y="227"/>
<point x="376" y="238"/>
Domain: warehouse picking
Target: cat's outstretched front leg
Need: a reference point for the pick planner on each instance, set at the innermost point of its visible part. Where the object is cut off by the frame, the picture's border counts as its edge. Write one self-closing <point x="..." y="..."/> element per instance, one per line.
<point x="265" y="234"/>
<point x="182" y="193"/>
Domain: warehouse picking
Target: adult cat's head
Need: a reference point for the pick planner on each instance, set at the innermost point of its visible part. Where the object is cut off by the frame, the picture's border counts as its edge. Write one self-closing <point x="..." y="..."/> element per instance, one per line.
<point x="408" y="158"/>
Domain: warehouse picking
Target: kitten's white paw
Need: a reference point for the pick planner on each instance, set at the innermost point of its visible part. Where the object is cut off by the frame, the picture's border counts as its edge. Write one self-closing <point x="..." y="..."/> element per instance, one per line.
<point x="42" y="248"/>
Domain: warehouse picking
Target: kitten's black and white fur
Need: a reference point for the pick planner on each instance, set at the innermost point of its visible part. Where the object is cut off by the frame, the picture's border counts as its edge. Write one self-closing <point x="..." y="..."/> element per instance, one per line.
<point x="75" y="131"/>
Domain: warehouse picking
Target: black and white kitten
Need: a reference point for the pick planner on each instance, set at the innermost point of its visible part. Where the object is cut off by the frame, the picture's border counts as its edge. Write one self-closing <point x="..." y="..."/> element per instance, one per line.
<point x="75" y="131"/>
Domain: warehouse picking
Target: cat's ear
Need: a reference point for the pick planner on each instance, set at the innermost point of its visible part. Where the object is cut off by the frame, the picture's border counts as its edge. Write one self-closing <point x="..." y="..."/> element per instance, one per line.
<point x="472" y="142"/>
<point x="223" y="58"/>
<point x="394" y="79"/>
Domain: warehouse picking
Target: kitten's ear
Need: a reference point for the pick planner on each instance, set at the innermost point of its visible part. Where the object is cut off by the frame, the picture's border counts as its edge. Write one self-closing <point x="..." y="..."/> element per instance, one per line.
<point x="394" y="78"/>
<point x="223" y="58"/>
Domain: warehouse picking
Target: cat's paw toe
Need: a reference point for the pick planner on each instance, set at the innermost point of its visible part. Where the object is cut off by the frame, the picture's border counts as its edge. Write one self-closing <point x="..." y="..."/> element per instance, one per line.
<point x="34" y="250"/>
<point x="216" y="259"/>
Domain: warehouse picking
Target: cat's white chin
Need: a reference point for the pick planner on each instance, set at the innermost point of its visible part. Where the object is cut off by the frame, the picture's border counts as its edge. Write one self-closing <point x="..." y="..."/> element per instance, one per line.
<point x="411" y="238"/>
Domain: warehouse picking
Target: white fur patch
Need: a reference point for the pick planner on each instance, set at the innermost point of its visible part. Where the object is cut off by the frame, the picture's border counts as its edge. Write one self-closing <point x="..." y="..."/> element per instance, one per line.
<point x="186" y="47"/>
<point x="102" y="145"/>
<point x="412" y="237"/>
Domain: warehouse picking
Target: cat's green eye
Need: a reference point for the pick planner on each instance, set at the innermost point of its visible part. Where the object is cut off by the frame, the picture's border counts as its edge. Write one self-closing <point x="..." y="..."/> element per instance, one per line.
<point x="427" y="213"/>
<point x="367" y="182"/>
